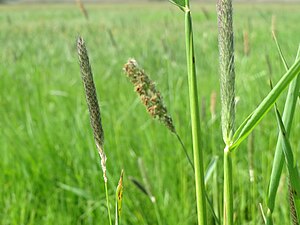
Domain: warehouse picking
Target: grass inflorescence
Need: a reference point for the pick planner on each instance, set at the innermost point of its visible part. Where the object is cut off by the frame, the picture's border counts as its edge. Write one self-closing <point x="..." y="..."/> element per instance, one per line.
<point x="148" y="93"/>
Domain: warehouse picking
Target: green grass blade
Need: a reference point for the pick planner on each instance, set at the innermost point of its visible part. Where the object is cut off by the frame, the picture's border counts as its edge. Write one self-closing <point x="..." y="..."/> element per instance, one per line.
<point x="289" y="159"/>
<point x="280" y="52"/>
<point x="288" y="115"/>
<point x="266" y="105"/>
<point x="240" y="128"/>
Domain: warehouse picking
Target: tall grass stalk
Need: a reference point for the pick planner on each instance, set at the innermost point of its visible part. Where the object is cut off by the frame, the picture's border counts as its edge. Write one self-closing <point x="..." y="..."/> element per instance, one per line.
<point x="184" y="5"/>
<point x="93" y="106"/>
<point x="195" y="120"/>
<point x="227" y="83"/>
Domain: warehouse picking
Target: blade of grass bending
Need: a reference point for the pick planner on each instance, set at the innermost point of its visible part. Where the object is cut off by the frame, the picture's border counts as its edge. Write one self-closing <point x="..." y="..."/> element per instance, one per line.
<point x="265" y="105"/>
<point x="280" y="52"/>
<point x="287" y="117"/>
<point x="195" y="121"/>
<point x="289" y="159"/>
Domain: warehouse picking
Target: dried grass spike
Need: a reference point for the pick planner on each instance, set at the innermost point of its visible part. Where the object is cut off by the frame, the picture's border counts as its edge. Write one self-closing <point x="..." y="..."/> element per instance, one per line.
<point x="149" y="96"/>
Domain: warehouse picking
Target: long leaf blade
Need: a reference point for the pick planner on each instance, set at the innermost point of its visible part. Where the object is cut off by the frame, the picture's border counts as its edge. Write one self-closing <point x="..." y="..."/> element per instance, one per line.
<point x="287" y="117"/>
<point x="280" y="52"/>
<point x="266" y="105"/>
<point x="292" y="168"/>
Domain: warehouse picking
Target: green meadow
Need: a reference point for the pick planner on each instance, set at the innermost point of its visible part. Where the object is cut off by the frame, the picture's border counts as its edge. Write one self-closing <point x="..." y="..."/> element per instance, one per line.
<point x="50" y="168"/>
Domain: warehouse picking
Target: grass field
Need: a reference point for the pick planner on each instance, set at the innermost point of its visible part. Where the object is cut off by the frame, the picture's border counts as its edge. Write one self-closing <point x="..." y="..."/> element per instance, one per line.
<point x="50" y="171"/>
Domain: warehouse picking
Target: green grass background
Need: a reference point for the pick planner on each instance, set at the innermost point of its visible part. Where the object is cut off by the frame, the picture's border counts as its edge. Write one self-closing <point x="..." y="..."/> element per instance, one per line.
<point x="50" y="170"/>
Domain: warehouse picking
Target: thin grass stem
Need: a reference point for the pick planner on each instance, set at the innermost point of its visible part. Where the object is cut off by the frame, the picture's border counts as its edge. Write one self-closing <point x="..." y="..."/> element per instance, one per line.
<point x="185" y="151"/>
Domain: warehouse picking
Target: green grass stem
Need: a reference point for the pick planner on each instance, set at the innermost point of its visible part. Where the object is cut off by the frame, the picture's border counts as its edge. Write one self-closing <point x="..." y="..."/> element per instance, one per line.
<point x="195" y="120"/>
<point x="228" y="189"/>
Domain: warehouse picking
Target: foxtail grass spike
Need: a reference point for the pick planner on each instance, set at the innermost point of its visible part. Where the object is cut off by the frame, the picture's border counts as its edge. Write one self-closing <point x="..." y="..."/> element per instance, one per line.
<point x="227" y="73"/>
<point x="92" y="102"/>
<point x="93" y="106"/>
<point x="150" y="97"/>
